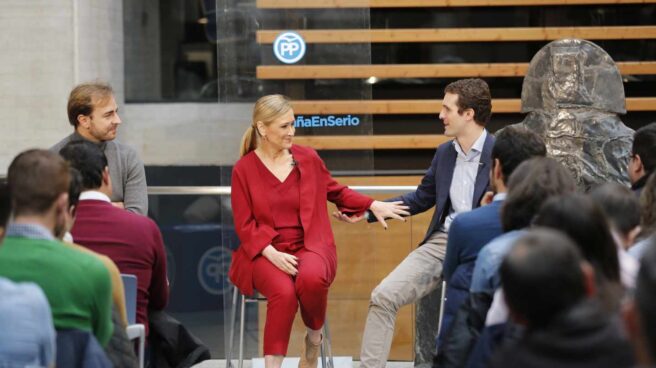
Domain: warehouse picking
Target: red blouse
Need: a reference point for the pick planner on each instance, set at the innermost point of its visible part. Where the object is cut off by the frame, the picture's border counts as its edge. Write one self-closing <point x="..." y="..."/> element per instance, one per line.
<point x="285" y="201"/>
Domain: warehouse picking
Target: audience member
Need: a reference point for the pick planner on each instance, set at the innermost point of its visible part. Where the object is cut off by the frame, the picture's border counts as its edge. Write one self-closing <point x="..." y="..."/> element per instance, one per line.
<point x="643" y="156"/>
<point x="93" y="113"/>
<point x="622" y="211"/>
<point x="76" y="285"/>
<point x="579" y="217"/>
<point x="532" y="183"/>
<point x="647" y="218"/>
<point x="470" y="231"/>
<point x="548" y="287"/>
<point x="27" y="334"/>
<point x="640" y="313"/>
<point x="132" y="241"/>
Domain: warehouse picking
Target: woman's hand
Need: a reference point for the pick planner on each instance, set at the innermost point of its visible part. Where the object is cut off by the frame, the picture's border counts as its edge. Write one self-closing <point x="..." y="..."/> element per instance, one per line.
<point x="287" y="263"/>
<point x="383" y="210"/>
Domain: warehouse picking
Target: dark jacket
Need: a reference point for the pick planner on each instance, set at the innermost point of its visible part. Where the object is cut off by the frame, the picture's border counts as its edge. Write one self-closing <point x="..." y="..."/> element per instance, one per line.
<point x="172" y="345"/>
<point x="465" y="328"/>
<point x="433" y="191"/>
<point x="584" y="336"/>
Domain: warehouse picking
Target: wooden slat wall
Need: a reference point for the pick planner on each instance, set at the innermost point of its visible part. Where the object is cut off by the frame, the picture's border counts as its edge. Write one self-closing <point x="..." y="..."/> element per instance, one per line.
<point x="313" y="4"/>
<point x="346" y="36"/>
<point x="420" y="70"/>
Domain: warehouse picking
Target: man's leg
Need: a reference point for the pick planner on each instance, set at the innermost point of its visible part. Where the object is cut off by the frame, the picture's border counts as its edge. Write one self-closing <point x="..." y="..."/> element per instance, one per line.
<point x="416" y="276"/>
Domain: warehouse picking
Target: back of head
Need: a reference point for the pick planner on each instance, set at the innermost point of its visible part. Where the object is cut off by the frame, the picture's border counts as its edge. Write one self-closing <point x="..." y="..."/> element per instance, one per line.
<point x="645" y="297"/>
<point x="5" y="203"/>
<point x="83" y="98"/>
<point x="644" y="145"/>
<point x="648" y="207"/>
<point x="580" y="218"/>
<point x="75" y="189"/>
<point x="542" y="277"/>
<point x="620" y="206"/>
<point x="36" y="179"/>
<point x="88" y="159"/>
<point x="513" y="145"/>
<point x="530" y="185"/>
<point x="473" y="93"/>
<point x="266" y="110"/>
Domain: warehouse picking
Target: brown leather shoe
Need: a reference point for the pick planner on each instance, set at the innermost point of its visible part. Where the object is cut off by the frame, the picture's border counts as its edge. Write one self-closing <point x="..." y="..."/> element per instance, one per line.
<point x="310" y="354"/>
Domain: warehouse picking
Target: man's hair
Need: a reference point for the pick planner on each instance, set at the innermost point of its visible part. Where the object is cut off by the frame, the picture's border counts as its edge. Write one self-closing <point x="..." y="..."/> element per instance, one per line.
<point x="542" y="276"/>
<point x="529" y="186"/>
<point x="620" y="206"/>
<point x="83" y="98"/>
<point x="579" y="217"/>
<point x="473" y="93"/>
<point x="88" y="159"/>
<point x="648" y="207"/>
<point x="5" y="203"/>
<point x="75" y="189"/>
<point x="36" y="178"/>
<point x="645" y="297"/>
<point x="513" y="145"/>
<point x="644" y="145"/>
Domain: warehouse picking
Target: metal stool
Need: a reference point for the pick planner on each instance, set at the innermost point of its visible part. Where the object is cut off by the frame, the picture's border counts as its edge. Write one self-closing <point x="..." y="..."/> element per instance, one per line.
<point x="325" y="342"/>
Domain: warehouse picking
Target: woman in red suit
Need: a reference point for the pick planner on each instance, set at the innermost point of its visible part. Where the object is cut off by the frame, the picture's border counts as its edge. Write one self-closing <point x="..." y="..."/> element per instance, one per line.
<point x="287" y="250"/>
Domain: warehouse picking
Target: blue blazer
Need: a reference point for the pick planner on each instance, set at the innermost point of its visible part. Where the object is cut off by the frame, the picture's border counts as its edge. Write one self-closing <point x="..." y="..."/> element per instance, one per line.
<point x="436" y="183"/>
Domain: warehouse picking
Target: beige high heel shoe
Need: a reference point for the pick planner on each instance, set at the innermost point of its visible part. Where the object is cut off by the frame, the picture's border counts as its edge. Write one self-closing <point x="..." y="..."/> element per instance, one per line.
<point x="310" y="353"/>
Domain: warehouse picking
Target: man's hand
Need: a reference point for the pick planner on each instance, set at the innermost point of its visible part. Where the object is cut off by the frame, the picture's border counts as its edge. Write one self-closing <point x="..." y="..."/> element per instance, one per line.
<point x="287" y="263"/>
<point x="488" y="197"/>
<point x="383" y="210"/>
<point x="119" y="205"/>
<point x="348" y="219"/>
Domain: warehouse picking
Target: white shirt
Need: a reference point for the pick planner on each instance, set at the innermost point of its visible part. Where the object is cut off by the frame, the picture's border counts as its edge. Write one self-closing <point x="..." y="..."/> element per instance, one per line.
<point x="463" y="182"/>
<point x="94" y="195"/>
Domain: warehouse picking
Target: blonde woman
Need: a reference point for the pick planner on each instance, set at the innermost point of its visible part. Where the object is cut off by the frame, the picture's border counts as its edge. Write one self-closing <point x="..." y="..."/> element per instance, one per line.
<point x="287" y="251"/>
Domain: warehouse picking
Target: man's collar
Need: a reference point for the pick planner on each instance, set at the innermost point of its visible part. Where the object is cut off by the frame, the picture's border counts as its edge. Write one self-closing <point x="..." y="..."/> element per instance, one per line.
<point x="94" y="195"/>
<point x="30" y="231"/>
<point x="79" y="137"/>
<point x="477" y="146"/>
<point x="500" y="196"/>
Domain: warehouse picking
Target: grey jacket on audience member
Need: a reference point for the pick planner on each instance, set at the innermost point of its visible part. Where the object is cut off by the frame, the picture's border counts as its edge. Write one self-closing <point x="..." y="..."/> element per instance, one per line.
<point x="126" y="171"/>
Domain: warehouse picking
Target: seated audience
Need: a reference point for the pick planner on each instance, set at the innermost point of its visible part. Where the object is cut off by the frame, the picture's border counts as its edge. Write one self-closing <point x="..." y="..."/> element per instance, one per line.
<point x="27" y="335"/>
<point x="622" y="210"/>
<point x="640" y="313"/>
<point x="132" y="241"/>
<point x="643" y="156"/>
<point x="647" y="218"/>
<point x="549" y="288"/>
<point x="470" y="231"/>
<point x="76" y="285"/>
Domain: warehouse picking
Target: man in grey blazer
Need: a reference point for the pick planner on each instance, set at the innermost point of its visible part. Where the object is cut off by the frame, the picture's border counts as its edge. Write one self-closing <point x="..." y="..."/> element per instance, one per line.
<point x="93" y="112"/>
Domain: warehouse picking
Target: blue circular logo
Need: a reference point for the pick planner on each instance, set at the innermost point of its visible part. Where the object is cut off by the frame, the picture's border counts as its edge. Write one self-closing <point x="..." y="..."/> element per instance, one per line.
<point x="289" y="47"/>
<point x="213" y="270"/>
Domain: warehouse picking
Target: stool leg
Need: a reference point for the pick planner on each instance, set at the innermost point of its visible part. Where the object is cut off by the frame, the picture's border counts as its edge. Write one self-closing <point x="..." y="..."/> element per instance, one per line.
<point x="326" y="341"/>
<point x="233" y="322"/>
<point x="242" y="323"/>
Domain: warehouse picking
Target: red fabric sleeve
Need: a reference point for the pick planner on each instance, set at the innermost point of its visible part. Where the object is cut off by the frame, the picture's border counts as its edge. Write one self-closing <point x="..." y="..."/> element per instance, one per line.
<point x="347" y="200"/>
<point x="254" y="237"/>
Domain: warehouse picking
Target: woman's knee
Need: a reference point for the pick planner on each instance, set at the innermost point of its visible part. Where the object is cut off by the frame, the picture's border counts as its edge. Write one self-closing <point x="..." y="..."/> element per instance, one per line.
<point x="311" y="282"/>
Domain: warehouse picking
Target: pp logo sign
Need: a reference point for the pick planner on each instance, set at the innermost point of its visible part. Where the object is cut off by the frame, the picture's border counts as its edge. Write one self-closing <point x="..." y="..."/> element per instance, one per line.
<point x="289" y="47"/>
<point x="213" y="270"/>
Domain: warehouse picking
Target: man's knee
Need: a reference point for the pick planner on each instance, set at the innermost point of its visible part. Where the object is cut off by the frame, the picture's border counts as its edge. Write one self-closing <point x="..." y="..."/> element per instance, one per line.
<point x="383" y="297"/>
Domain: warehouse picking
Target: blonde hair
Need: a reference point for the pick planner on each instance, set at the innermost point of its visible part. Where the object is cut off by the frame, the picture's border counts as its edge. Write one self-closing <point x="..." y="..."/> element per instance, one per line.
<point x="266" y="110"/>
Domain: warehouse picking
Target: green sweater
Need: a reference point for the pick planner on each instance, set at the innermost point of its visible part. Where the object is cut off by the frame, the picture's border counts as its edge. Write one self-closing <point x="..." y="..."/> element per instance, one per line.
<point x="76" y="284"/>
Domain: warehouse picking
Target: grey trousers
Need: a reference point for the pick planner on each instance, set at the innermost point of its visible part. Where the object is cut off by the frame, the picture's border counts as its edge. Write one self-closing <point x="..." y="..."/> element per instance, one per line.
<point x="415" y="277"/>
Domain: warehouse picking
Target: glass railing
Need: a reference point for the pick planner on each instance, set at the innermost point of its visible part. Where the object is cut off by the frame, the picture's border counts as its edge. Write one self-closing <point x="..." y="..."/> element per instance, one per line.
<point x="198" y="232"/>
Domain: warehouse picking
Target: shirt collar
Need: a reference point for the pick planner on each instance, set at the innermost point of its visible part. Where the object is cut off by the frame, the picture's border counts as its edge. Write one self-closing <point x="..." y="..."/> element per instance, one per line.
<point x="476" y="148"/>
<point x="31" y="231"/>
<point x="94" y="195"/>
<point x="500" y="197"/>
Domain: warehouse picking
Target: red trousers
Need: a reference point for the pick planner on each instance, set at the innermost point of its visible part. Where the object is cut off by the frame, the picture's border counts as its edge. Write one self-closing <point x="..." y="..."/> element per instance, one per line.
<point x="284" y="293"/>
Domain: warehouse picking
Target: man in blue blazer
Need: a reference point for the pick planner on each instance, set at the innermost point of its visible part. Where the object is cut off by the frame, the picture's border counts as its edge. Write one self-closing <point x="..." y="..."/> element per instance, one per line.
<point x="455" y="182"/>
<point x="470" y="231"/>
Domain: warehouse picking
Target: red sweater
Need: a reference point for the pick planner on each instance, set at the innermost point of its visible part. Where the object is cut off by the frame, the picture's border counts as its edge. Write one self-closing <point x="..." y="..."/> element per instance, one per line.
<point x="133" y="242"/>
<point x="251" y="210"/>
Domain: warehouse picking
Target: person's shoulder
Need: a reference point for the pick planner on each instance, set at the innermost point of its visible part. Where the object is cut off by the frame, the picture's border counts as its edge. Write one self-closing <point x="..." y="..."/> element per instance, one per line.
<point x="445" y="146"/>
<point x="59" y="145"/>
<point x="244" y="162"/>
<point x="83" y="260"/>
<point x="298" y="149"/>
